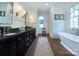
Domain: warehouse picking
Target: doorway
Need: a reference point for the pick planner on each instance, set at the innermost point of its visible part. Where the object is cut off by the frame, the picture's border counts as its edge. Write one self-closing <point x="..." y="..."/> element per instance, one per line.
<point x="41" y="24"/>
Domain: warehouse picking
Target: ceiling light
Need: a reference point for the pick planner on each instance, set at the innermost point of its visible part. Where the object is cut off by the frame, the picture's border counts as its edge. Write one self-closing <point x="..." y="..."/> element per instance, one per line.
<point x="46" y="4"/>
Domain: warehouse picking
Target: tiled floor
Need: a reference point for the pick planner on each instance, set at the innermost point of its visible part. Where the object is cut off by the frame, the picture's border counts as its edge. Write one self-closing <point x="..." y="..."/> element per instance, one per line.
<point x="55" y="46"/>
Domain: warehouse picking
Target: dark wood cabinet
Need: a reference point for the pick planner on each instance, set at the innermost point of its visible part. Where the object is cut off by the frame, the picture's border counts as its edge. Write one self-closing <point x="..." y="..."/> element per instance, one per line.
<point x="17" y="45"/>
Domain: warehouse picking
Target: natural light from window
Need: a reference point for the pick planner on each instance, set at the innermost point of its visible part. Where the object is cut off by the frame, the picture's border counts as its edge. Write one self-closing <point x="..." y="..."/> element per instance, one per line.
<point x="41" y="21"/>
<point x="74" y="13"/>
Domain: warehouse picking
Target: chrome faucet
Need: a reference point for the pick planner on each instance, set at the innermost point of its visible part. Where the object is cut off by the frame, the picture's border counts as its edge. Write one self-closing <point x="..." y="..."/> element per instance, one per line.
<point x="4" y="31"/>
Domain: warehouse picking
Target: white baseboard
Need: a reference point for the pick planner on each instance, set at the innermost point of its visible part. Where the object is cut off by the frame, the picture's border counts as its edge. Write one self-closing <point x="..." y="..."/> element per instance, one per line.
<point x="54" y="36"/>
<point x="74" y="53"/>
<point x="51" y="35"/>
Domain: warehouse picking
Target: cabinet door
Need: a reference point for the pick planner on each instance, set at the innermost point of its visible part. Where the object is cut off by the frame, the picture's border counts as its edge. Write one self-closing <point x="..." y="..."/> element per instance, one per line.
<point x="2" y="50"/>
<point x="12" y="48"/>
<point x="20" y="45"/>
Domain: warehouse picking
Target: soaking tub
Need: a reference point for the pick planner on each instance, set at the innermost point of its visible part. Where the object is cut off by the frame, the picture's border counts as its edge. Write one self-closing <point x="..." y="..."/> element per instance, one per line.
<point x="70" y="42"/>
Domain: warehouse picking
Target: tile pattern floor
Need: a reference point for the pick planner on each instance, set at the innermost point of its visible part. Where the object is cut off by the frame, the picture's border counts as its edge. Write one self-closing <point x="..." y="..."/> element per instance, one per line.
<point x="43" y="47"/>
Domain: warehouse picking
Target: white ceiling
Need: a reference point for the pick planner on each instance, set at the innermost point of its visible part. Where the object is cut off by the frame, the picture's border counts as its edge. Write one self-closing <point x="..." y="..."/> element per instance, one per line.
<point x="41" y="5"/>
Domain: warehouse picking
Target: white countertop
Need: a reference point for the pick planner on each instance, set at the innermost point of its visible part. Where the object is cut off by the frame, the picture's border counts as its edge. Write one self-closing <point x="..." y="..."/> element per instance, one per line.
<point x="10" y="34"/>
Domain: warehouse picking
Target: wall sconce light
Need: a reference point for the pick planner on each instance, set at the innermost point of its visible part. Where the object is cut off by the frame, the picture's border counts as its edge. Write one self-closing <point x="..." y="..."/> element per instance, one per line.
<point x="19" y="8"/>
<point x="31" y="17"/>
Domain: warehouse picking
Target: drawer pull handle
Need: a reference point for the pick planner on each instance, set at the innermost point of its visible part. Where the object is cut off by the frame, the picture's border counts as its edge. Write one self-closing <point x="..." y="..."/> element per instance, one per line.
<point x="27" y="43"/>
<point x="27" y="39"/>
<point x="30" y="40"/>
<point x="19" y="38"/>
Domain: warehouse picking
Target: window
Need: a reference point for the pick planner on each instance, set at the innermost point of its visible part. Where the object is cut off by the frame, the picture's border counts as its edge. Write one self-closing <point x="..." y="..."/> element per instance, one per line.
<point x="74" y="13"/>
<point x="41" y="21"/>
<point x="41" y="25"/>
<point x="41" y="17"/>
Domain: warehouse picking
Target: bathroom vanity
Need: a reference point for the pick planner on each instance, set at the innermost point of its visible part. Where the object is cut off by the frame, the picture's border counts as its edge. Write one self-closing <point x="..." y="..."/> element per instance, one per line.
<point x="16" y="44"/>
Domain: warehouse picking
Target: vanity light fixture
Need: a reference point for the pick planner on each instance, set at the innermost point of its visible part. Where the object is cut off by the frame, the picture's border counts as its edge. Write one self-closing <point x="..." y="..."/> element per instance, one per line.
<point x="24" y="12"/>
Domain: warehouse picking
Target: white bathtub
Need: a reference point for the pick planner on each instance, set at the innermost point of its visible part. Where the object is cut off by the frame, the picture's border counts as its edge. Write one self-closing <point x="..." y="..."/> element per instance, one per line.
<point x="70" y="42"/>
